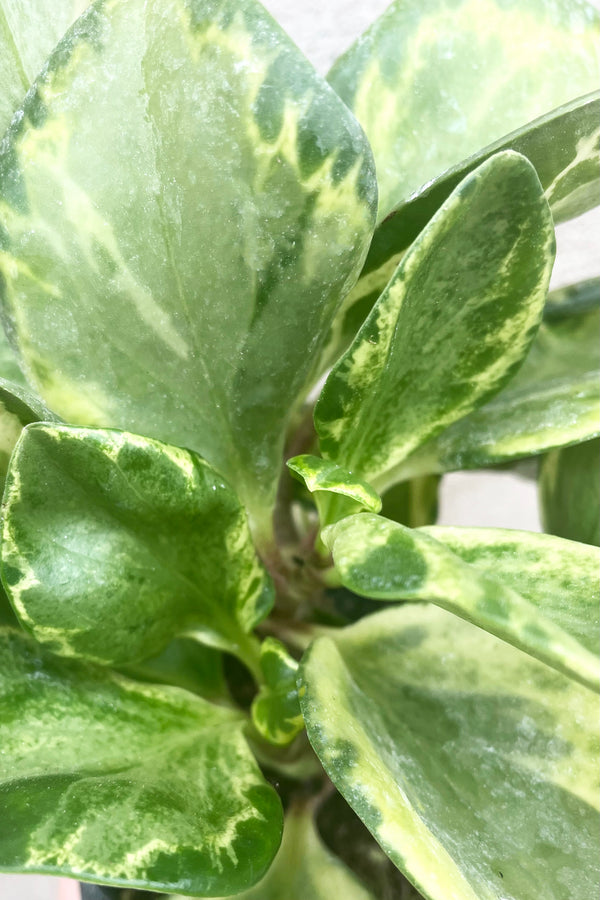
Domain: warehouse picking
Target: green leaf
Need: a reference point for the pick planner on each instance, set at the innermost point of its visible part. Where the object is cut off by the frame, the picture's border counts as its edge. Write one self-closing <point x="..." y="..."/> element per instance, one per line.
<point x="18" y="407"/>
<point x="114" y="544"/>
<point x="275" y="710"/>
<point x="560" y="577"/>
<point x="553" y="400"/>
<point x="434" y="83"/>
<point x="569" y="486"/>
<point x="384" y="560"/>
<point x="29" y="30"/>
<point x="187" y="664"/>
<point x="450" y="328"/>
<point x="144" y="786"/>
<point x="474" y="765"/>
<point x="562" y="146"/>
<point x="214" y="200"/>
<point x="575" y="298"/>
<point x="304" y="869"/>
<point x="337" y="491"/>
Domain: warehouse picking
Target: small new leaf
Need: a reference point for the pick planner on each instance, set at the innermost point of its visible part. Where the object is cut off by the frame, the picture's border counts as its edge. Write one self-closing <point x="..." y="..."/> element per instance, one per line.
<point x="276" y="710"/>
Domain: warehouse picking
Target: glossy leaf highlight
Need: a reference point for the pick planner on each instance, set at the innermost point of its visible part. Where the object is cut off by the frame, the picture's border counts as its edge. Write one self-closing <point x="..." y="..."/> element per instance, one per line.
<point x="153" y="122"/>
<point x="114" y="544"/>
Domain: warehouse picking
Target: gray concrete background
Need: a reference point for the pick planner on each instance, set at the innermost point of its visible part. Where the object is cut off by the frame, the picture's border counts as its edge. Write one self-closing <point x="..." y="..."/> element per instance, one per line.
<point x="323" y="29"/>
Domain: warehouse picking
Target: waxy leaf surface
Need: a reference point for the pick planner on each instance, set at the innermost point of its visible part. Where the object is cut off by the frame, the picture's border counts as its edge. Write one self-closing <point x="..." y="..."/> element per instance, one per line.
<point x="451" y="327"/>
<point x="383" y="560"/>
<point x="105" y="779"/>
<point x="553" y="400"/>
<point x="433" y="83"/>
<point x="304" y="869"/>
<point x="473" y="764"/>
<point x="29" y="30"/>
<point x="184" y="181"/>
<point x="563" y="147"/>
<point x="569" y="487"/>
<point x="113" y="544"/>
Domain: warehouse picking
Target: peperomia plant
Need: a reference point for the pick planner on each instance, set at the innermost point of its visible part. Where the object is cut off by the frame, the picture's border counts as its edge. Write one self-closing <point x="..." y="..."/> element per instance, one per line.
<point x="214" y="263"/>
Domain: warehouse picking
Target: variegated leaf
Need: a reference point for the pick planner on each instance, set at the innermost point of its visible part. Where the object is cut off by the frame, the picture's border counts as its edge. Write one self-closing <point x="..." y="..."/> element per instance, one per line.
<point x="29" y="30"/>
<point x="553" y="400"/>
<point x="182" y="179"/>
<point x="102" y="778"/>
<point x="563" y="147"/>
<point x="559" y="577"/>
<point x="18" y="407"/>
<point x="474" y="765"/>
<point x="348" y="838"/>
<point x="304" y="869"/>
<point x="451" y="327"/>
<point x="383" y="560"/>
<point x="275" y="710"/>
<point x="336" y="491"/>
<point x="114" y="544"/>
<point x="432" y="84"/>
<point x="569" y="486"/>
<point x="187" y="664"/>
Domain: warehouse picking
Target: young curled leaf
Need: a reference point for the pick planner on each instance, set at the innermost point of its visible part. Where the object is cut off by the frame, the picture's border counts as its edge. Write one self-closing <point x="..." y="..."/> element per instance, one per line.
<point x="114" y="544"/>
<point x="275" y="710"/>
<point x="337" y="492"/>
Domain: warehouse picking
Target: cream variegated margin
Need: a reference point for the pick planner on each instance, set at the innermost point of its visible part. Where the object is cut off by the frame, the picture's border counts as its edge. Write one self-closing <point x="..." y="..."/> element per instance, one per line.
<point x="451" y="327"/>
<point x="153" y="122"/>
<point x="103" y="778"/>
<point x="384" y="560"/>
<point x="468" y="73"/>
<point x="124" y="544"/>
<point x="438" y="735"/>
